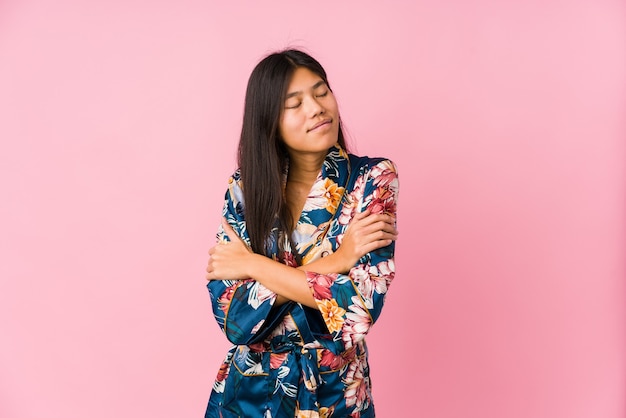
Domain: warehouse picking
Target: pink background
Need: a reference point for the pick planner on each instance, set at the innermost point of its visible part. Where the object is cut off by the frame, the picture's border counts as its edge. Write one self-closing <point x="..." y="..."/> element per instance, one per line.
<point x="119" y="123"/>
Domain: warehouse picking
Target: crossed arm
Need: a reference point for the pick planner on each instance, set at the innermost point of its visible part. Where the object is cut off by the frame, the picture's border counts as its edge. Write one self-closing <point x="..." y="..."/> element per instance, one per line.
<point x="234" y="260"/>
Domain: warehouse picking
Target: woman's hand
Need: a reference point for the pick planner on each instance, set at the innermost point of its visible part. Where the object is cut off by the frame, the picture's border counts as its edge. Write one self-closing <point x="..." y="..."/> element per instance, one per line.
<point x="234" y="260"/>
<point x="229" y="260"/>
<point x="366" y="232"/>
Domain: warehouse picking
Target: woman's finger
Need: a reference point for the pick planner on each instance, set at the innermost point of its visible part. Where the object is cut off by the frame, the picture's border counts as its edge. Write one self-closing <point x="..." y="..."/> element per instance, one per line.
<point x="376" y="245"/>
<point x="361" y="215"/>
<point x="230" y="232"/>
<point x="372" y="219"/>
<point x="377" y="227"/>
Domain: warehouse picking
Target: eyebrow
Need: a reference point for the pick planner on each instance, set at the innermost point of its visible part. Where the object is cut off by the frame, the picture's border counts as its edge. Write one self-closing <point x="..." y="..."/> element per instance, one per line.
<point x="297" y="93"/>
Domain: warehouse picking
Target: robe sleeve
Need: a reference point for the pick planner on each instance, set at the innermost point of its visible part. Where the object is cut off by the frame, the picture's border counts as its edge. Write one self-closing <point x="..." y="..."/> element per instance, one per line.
<point x="243" y="309"/>
<point x="351" y="303"/>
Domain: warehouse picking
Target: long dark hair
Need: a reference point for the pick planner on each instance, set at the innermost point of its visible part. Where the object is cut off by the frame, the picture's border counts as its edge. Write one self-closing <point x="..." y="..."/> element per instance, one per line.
<point x="262" y="154"/>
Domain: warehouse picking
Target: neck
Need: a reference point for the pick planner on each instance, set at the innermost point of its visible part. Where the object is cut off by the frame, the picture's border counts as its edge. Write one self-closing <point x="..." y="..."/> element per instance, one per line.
<point x="305" y="168"/>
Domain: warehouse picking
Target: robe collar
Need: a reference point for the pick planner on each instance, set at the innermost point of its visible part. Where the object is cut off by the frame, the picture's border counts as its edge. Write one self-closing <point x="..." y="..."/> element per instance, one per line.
<point x="323" y="201"/>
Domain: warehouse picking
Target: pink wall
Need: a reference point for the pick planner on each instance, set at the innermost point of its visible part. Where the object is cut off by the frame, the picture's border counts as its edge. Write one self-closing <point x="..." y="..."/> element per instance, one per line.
<point x="119" y="122"/>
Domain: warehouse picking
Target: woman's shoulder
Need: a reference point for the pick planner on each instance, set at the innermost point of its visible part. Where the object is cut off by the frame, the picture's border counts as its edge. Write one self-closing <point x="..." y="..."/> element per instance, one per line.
<point x="235" y="191"/>
<point x="234" y="180"/>
<point x="372" y="164"/>
<point x="235" y="177"/>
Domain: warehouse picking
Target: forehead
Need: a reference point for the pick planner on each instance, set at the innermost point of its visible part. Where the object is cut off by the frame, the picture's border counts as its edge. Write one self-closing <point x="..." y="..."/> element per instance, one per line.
<point x="303" y="79"/>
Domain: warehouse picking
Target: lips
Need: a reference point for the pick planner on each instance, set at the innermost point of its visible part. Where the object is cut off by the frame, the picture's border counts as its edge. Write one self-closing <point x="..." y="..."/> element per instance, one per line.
<point x="320" y="124"/>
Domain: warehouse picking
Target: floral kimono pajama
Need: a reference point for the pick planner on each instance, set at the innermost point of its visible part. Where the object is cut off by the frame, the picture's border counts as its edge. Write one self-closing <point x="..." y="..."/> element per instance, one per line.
<point x="292" y="360"/>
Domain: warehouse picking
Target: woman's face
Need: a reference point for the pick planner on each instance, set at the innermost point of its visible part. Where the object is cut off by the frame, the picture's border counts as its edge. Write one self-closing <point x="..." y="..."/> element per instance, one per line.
<point x="310" y="119"/>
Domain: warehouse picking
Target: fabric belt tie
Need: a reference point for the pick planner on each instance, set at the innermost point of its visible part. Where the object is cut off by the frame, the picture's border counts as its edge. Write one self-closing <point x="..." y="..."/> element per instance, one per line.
<point x="307" y="362"/>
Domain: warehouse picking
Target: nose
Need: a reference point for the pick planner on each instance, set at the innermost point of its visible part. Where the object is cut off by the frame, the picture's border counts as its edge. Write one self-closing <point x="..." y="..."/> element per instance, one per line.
<point x="313" y="106"/>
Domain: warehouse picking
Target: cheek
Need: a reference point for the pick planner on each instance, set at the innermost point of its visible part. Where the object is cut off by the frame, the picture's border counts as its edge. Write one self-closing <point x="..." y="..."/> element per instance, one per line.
<point x="285" y="131"/>
<point x="289" y="125"/>
<point x="332" y="104"/>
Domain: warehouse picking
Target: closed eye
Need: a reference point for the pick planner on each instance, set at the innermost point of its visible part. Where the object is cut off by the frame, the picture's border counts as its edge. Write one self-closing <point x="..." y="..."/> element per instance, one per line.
<point x="294" y="106"/>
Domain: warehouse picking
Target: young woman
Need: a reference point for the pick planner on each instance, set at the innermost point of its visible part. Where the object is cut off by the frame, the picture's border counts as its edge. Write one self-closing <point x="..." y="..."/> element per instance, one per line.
<point x="304" y="255"/>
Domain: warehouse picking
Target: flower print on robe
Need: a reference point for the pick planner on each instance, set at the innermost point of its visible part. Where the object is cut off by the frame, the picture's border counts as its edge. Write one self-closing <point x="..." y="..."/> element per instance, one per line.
<point x="291" y="360"/>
